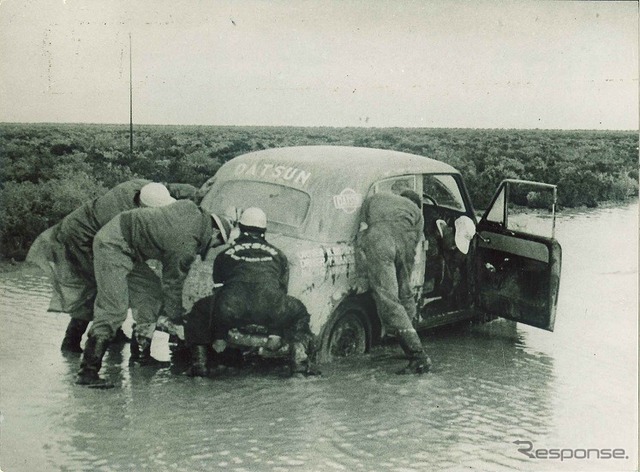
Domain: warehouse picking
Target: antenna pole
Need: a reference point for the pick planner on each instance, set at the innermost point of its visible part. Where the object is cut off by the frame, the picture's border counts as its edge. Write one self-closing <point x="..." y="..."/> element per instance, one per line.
<point x="130" y="102"/>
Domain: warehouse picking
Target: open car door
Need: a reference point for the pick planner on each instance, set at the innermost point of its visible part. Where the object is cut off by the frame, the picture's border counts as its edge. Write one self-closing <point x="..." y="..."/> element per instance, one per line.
<point x="517" y="263"/>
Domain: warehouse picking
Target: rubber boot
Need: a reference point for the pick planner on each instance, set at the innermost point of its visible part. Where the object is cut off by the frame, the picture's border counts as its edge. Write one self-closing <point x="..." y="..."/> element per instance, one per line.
<point x="180" y="353"/>
<point x="141" y="352"/>
<point x="198" y="361"/>
<point x="217" y="366"/>
<point x="419" y="361"/>
<point x="300" y="363"/>
<point x="73" y="335"/>
<point x="91" y="363"/>
<point x="120" y="337"/>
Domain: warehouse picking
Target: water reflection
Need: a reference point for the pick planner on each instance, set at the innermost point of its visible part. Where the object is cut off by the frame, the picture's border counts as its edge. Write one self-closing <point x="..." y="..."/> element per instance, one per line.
<point x="492" y="384"/>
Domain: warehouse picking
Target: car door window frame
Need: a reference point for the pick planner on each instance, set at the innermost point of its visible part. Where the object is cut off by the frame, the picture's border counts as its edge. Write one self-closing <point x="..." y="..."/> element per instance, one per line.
<point x="417" y="184"/>
<point x="503" y="192"/>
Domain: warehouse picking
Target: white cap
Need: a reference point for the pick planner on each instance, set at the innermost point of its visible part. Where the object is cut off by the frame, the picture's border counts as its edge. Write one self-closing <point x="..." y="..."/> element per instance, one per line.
<point x="155" y="194"/>
<point x="254" y="217"/>
<point x="465" y="230"/>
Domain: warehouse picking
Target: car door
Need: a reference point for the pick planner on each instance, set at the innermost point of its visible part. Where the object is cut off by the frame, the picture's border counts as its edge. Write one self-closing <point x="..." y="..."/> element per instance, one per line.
<point x="517" y="258"/>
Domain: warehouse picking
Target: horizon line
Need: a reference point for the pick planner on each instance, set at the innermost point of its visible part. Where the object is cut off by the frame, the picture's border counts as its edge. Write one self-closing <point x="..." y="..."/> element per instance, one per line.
<point x="313" y="126"/>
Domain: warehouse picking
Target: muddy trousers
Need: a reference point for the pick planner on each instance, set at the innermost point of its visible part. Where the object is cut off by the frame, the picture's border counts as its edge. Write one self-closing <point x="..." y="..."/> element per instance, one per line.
<point x="387" y="262"/>
<point x="123" y="283"/>
<point x="74" y="289"/>
<point x="74" y="292"/>
<point x="240" y="304"/>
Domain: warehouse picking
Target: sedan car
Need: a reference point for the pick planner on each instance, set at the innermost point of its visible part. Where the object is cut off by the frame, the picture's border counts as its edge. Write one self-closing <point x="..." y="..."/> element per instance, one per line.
<point x="312" y="196"/>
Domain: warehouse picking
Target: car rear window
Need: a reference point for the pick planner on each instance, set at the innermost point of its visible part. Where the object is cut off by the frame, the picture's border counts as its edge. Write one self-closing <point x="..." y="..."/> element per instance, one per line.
<point x="283" y="205"/>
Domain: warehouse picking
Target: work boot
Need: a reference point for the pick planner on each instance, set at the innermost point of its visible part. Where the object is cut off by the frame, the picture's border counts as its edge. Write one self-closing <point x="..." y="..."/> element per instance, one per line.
<point x="73" y="335"/>
<point x="180" y="352"/>
<point x="300" y="359"/>
<point x="420" y="364"/>
<point x="141" y="352"/>
<point x="198" y="361"/>
<point x="91" y="363"/>
<point x="419" y="361"/>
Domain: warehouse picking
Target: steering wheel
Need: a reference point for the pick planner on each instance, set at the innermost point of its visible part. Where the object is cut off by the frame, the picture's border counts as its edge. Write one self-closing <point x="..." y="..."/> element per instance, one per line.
<point x="430" y="198"/>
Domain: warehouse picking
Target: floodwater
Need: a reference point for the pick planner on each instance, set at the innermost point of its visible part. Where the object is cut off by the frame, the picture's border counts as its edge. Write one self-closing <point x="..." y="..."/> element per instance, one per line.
<point x="574" y="389"/>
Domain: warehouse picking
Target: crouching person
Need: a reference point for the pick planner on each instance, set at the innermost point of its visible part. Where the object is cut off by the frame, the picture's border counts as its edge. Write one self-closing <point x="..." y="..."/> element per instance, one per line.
<point x="252" y="277"/>
<point x="174" y="235"/>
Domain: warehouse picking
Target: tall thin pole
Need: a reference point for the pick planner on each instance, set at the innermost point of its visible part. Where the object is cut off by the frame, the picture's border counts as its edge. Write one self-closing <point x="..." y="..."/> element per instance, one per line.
<point x="130" y="102"/>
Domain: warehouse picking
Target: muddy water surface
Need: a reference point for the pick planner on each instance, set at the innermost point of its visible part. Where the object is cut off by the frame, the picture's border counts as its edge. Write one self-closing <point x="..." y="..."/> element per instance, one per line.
<point x="574" y="389"/>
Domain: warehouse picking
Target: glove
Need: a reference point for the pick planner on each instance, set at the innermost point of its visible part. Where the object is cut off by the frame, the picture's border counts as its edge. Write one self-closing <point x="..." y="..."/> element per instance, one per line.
<point x="166" y="325"/>
<point x="179" y="331"/>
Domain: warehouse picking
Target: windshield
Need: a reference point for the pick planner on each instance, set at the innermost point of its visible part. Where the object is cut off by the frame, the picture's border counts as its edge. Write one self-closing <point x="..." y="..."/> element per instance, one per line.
<point x="283" y="205"/>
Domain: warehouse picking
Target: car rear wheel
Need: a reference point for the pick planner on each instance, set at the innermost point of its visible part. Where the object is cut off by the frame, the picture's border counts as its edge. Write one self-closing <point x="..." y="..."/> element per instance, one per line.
<point x="348" y="337"/>
<point x="350" y="333"/>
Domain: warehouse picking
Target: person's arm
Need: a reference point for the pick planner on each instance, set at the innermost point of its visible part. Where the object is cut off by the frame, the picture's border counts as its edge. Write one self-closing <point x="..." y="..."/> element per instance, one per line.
<point x="364" y="211"/>
<point x="174" y="273"/>
<point x="284" y="272"/>
<point x="220" y="265"/>
<point x="182" y="191"/>
<point x="420" y="223"/>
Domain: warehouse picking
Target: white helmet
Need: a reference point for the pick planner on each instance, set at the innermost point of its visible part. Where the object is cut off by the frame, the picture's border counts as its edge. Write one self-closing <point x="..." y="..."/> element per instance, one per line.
<point x="155" y="194"/>
<point x="254" y="217"/>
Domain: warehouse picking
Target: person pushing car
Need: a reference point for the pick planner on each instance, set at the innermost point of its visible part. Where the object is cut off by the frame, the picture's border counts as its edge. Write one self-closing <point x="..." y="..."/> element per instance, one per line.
<point x="385" y="252"/>
<point x="174" y="235"/>
<point x="252" y="278"/>
<point x="69" y="253"/>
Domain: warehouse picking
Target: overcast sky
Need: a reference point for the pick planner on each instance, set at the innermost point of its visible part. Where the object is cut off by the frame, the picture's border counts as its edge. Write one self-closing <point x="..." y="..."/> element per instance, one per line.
<point x="378" y="63"/>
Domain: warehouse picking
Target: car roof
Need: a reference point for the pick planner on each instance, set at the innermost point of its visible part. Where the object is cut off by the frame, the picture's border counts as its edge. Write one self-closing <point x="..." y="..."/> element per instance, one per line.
<point x="337" y="179"/>
<point x="371" y="164"/>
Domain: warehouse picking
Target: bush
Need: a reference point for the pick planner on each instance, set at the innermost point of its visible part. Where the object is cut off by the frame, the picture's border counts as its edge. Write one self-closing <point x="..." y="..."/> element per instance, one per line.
<point x="27" y="208"/>
<point x="541" y="200"/>
<point x="22" y="216"/>
<point x="47" y="170"/>
<point x="68" y="193"/>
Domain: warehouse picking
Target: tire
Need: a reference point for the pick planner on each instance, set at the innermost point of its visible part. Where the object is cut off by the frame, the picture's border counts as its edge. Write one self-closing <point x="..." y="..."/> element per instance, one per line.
<point x="350" y="333"/>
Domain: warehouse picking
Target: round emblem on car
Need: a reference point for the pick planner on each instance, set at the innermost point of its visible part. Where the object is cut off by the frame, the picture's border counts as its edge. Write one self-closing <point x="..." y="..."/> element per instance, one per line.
<point x="348" y="200"/>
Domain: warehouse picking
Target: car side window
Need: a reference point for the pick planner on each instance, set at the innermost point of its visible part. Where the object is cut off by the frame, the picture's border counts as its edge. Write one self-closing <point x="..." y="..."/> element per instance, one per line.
<point x="496" y="213"/>
<point x="526" y="207"/>
<point x="395" y="185"/>
<point x="442" y="190"/>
